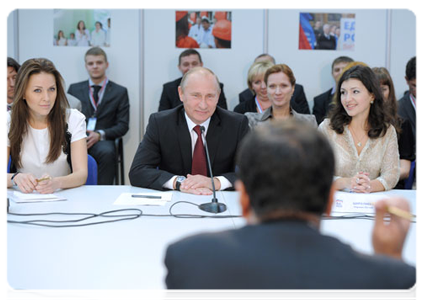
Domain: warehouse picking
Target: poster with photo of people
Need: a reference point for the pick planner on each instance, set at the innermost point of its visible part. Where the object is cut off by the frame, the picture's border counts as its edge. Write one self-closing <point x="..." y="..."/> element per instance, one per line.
<point x="82" y="27"/>
<point x="319" y="31"/>
<point x="203" y="29"/>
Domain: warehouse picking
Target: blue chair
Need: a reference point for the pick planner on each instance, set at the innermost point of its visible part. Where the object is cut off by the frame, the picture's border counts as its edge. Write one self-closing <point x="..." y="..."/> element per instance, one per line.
<point x="92" y="170"/>
<point x="410" y="180"/>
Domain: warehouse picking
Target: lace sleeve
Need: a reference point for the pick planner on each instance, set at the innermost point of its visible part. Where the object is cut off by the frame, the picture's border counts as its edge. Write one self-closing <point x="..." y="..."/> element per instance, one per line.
<point x="390" y="168"/>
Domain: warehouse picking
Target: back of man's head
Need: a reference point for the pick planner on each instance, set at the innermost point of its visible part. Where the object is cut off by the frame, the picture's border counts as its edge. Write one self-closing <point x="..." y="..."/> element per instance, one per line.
<point x="95" y="51"/>
<point x="410" y="69"/>
<point x="13" y="63"/>
<point x="286" y="166"/>
<point x="189" y="52"/>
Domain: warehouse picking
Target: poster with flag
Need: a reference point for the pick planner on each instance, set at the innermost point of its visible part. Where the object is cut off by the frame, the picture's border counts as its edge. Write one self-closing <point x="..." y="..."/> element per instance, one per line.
<point x="307" y="39"/>
<point x="324" y="31"/>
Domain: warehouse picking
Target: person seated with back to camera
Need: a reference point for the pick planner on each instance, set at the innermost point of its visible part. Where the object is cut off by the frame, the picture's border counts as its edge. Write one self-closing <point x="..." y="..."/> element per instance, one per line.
<point x="285" y="171"/>
<point x="280" y="83"/>
<point x="46" y="139"/>
<point x="360" y="130"/>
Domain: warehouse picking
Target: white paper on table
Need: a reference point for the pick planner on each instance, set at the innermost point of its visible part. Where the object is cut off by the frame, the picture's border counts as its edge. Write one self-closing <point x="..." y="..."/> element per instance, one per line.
<point x="356" y="202"/>
<point x="128" y="199"/>
<point x="20" y="197"/>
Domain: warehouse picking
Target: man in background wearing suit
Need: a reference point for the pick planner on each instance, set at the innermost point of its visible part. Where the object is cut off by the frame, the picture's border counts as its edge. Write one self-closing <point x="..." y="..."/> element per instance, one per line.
<point x="285" y="172"/>
<point x="322" y="102"/>
<point x="12" y="71"/>
<point x="105" y="105"/>
<point x="188" y="59"/>
<point x="298" y="101"/>
<point x="409" y="107"/>
<point x="171" y="154"/>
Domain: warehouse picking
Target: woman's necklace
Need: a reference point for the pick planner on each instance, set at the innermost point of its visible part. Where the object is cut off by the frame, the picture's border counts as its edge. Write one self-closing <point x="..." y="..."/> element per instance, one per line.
<point x="355" y="136"/>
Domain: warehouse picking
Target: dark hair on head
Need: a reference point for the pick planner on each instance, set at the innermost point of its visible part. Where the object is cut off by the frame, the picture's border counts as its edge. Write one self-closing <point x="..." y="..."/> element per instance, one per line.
<point x="279" y="162"/>
<point x="382" y="74"/>
<point x="280" y="68"/>
<point x="96" y="51"/>
<point x="410" y="69"/>
<point x="342" y="59"/>
<point x="182" y="28"/>
<point x="13" y="63"/>
<point x="77" y="25"/>
<point x="98" y="22"/>
<point x="21" y="112"/>
<point x="378" y="120"/>
<point x="189" y="52"/>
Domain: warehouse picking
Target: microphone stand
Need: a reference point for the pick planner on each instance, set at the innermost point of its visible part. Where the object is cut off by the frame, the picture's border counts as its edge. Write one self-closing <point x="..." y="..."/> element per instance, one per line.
<point x="214" y="206"/>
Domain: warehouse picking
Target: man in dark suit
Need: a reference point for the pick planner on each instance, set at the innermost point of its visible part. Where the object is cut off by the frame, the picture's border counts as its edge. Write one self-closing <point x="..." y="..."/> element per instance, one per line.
<point x="326" y="41"/>
<point x="298" y="101"/>
<point x="171" y="154"/>
<point x="188" y="59"/>
<point x="12" y="71"/>
<point x="285" y="172"/>
<point x="323" y="102"/>
<point x="105" y="105"/>
<point x="409" y="106"/>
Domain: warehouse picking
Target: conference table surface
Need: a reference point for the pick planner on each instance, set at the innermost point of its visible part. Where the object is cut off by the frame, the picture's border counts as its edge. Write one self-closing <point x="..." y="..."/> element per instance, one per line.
<point x="130" y="254"/>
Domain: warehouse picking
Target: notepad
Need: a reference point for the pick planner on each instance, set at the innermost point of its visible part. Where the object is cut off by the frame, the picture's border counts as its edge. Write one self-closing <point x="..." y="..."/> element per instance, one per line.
<point x="144" y="198"/>
<point x="20" y="197"/>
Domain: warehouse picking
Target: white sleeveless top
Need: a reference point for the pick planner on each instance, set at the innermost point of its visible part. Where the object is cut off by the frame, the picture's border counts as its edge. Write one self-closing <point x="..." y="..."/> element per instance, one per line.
<point x="36" y="145"/>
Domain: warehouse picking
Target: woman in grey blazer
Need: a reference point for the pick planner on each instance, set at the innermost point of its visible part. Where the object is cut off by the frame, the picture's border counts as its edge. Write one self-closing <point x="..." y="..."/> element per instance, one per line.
<point x="280" y="82"/>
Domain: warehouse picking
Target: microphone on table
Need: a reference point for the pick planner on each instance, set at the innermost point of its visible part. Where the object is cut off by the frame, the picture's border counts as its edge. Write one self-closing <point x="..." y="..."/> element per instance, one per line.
<point x="214" y="206"/>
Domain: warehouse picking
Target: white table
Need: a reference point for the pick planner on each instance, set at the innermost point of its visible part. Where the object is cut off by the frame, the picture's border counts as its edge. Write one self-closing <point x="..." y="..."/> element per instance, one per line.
<point x="129" y="254"/>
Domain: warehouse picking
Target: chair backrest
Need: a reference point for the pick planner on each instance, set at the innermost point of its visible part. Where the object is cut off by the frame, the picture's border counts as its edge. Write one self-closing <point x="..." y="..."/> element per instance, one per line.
<point x="92" y="171"/>
<point x="410" y="180"/>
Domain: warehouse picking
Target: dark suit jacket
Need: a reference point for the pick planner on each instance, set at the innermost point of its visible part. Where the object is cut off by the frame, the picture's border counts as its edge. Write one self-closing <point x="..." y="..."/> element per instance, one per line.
<point x="279" y="255"/>
<point x="298" y="101"/>
<point x="247" y="106"/>
<point x="322" y="103"/>
<point x="407" y="111"/>
<point x="166" y="149"/>
<point x="113" y="111"/>
<point x="326" y="44"/>
<point x="170" y="96"/>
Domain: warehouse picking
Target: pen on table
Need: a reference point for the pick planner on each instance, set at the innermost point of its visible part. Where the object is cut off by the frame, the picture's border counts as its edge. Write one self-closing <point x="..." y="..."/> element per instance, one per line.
<point x="146" y="196"/>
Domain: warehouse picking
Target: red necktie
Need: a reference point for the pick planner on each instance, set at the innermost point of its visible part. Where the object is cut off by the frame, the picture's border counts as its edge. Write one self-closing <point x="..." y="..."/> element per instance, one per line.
<point x="199" y="166"/>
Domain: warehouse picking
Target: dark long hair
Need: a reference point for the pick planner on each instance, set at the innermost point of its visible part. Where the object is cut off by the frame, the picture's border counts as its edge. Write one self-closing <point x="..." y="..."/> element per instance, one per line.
<point x="382" y="74"/>
<point x="378" y="120"/>
<point x="20" y="112"/>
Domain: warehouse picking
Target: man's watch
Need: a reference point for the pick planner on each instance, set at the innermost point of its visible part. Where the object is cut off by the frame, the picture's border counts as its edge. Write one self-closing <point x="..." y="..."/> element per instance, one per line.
<point x="179" y="180"/>
<point x="13" y="177"/>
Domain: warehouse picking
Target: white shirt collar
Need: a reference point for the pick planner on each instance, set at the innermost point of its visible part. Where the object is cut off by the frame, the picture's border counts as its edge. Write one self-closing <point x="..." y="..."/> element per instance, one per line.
<point x="191" y="124"/>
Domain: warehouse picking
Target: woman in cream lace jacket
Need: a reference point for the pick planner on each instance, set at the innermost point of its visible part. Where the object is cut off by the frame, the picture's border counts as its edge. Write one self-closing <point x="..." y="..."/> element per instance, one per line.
<point x="364" y="142"/>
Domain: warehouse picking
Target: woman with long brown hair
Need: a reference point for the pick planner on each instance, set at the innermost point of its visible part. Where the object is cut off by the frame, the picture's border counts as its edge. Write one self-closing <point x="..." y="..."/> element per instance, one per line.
<point x="46" y="139"/>
<point x="361" y="133"/>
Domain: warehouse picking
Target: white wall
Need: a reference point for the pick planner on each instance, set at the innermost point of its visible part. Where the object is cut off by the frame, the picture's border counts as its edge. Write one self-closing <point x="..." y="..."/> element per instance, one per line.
<point x="403" y="47"/>
<point x="143" y="55"/>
